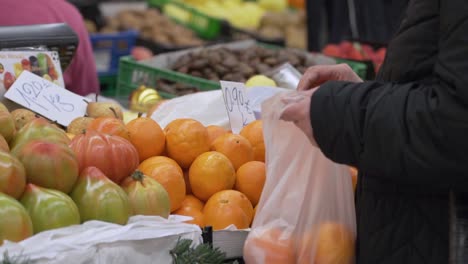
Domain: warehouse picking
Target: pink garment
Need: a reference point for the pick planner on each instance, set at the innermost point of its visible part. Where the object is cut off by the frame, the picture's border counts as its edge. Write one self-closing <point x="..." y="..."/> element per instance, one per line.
<point x="81" y="75"/>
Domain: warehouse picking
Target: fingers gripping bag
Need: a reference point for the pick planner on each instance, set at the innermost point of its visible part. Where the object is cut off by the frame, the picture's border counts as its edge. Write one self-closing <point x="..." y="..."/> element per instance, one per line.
<point x="306" y="211"/>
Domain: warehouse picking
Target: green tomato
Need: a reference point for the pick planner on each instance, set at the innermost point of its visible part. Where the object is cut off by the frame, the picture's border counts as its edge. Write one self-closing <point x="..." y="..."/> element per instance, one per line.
<point x="49" y="209"/>
<point x="15" y="223"/>
<point x="99" y="198"/>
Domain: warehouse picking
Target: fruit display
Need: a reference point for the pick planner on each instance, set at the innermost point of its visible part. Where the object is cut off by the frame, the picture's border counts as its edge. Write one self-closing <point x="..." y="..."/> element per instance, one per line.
<point x="239" y="13"/>
<point x="112" y="170"/>
<point x="288" y="25"/>
<point x="152" y="26"/>
<point x="356" y="51"/>
<point x="237" y="65"/>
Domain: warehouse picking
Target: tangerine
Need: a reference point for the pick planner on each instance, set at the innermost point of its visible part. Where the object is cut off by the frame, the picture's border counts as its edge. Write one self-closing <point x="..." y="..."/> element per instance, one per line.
<point x="250" y="179"/>
<point x="186" y="139"/>
<point x="236" y="147"/>
<point x="253" y="132"/>
<point x="210" y="173"/>
<point x="147" y="137"/>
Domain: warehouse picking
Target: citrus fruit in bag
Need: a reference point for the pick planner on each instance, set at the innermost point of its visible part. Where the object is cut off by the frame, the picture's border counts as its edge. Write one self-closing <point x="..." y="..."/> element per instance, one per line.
<point x="273" y="245"/>
<point x="146" y="195"/>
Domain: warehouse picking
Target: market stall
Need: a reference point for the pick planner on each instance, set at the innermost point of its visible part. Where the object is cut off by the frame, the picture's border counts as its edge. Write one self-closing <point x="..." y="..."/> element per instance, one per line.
<point x="176" y="159"/>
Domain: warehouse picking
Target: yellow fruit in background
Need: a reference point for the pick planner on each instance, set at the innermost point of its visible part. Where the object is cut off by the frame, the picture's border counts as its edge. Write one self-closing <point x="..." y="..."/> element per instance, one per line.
<point x="274" y="5"/>
<point x="260" y="80"/>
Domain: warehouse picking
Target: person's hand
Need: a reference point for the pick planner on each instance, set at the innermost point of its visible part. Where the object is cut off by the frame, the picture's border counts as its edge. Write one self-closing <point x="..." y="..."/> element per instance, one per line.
<point x="317" y="75"/>
<point x="296" y="109"/>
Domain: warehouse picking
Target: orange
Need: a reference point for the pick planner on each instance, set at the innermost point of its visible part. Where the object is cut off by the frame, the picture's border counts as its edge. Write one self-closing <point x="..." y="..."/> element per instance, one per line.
<point x="237" y="198"/>
<point x="169" y="174"/>
<point x="250" y="179"/>
<point x="4" y="144"/>
<point x="186" y="139"/>
<point x="198" y="217"/>
<point x="210" y="173"/>
<point x="214" y="132"/>
<point x="224" y="209"/>
<point x="253" y="132"/>
<point x="236" y="147"/>
<point x="275" y="245"/>
<point x="192" y="201"/>
<point x="109" y="125"/>
<point x="333" y="242"/>
<point x="147" y="137"/>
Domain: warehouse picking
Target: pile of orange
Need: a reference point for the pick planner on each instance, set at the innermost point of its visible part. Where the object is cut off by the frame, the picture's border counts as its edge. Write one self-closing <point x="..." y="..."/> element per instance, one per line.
<point x="210" y="174"/>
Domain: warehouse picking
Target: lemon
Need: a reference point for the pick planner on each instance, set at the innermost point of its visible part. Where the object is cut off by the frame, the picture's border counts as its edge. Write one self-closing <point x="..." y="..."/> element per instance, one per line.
<point x="260" y="80"/>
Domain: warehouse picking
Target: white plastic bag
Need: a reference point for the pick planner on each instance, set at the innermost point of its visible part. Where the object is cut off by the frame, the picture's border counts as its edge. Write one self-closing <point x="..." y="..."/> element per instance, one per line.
<point x="306" y="212"/>
<point x="145" y="239"/>
<point x="208" y="107"/>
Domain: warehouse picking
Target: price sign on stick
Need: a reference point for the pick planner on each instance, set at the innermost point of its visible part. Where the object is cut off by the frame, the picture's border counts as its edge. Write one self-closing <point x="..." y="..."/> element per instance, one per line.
<point x="46" y="98"/>
<point x="237" y="105"/>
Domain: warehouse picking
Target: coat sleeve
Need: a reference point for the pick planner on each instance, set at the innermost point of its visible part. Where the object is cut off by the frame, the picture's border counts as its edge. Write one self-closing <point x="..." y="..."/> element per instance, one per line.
<point x="406" y="132"/>
<point x="411" y="133"/>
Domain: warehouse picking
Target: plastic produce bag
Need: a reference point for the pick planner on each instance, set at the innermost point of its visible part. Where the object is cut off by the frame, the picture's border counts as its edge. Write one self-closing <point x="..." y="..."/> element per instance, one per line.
<point x="306" y="212"/>
<point x="208" y="107"/>
<point x="144" y="239"/>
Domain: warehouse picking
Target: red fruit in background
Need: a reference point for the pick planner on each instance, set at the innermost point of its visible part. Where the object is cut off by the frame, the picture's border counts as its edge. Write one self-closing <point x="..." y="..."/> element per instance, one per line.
<point x="8" y="80"/>
<point x="49" y="209"/>
<point x="15" y="223"/>
<point x="99" y="198"/>
<point x="116" y="157"/>
<point x="48" y="164"/>
<point x="380" y="54"/>
<point x="367" y="52"/>
<point x="141" y="53"/>
<point x="12" y="175"/>
<point x="332" y="50"/>
<point x="26" y="65"/>
<point x="355" y="54"/>
<point x="346" y="48"/>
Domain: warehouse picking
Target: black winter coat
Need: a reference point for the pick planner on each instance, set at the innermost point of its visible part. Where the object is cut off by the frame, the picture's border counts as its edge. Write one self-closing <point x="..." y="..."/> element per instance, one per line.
<point x="407" y="132"/>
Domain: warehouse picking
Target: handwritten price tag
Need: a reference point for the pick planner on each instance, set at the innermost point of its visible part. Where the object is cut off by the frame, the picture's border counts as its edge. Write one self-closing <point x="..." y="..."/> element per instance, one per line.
<point x="237" y="105"/>
<point x="46" y="98"/>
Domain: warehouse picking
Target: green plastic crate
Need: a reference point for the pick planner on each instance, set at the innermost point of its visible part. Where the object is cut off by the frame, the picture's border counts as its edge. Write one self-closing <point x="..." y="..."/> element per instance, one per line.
<point x="108" y="84"/>
<point x="133" y="74"/>
<point x="205" y="26"/>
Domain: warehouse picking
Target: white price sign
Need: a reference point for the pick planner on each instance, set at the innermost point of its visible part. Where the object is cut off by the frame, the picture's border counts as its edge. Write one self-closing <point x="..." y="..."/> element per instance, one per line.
<point x="237" y="105"/>
<point x="46" y="98"/>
